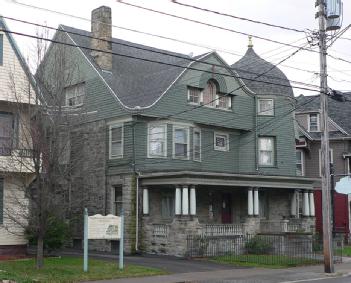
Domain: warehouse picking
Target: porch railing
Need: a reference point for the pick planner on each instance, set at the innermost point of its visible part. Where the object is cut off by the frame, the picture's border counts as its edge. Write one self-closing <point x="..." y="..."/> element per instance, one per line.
<point x="160" y="230"/>
<point x="281" y="226"/>
<point x="223" y="229"/>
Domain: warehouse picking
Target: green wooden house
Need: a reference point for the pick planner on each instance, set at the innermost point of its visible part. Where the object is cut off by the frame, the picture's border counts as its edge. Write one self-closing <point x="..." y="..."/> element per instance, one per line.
<point x="186" y="145"/>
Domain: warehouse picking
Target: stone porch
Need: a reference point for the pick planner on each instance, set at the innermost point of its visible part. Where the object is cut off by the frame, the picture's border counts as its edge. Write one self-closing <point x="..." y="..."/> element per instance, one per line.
<point x="170" y="212"/>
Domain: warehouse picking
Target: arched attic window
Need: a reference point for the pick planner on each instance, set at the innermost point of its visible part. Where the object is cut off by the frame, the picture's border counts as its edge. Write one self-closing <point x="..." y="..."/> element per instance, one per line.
<point x="210" y="96"/>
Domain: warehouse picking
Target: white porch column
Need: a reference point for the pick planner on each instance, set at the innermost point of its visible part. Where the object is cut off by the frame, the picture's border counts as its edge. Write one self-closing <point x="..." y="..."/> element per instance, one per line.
<point x="185" y="201"/>
<point x="293" y="207"/>
<point x="249" y="202"/>
<point x="178" y="204"/>
<point x="306" y="204"/>
<point x="145" y="201"/>
<point x="256" y="203"/>
<point x="312" y="209"/>
<point x="192" y="200"/>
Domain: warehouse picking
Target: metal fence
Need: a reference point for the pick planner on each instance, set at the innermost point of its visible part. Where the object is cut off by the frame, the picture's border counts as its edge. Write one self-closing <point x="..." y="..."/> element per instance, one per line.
<point x="284" y="249"/>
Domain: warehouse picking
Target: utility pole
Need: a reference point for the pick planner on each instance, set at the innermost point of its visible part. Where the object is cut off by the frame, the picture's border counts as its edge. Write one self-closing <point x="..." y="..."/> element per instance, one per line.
<point x="325" y="157"/>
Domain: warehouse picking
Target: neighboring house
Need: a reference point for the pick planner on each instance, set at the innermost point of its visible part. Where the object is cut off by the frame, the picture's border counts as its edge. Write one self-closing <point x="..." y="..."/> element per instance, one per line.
<point x="308" y="149"/>
<point x="15" y="145"/>
<point x="192" y="145"/>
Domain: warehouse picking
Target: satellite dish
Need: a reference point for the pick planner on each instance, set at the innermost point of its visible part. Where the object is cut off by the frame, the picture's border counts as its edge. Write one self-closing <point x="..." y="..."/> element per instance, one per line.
<point x="344" y="185"/>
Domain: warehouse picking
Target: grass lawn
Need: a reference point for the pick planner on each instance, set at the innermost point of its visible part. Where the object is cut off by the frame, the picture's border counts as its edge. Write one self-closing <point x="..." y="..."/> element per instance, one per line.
<point x="346" y="251"/>
<point x="271" y="261"/>
<point x="69" y="269"/>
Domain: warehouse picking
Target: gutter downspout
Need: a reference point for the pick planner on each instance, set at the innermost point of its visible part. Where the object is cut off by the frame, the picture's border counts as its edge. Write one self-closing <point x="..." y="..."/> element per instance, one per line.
<point x="137" y="213"/>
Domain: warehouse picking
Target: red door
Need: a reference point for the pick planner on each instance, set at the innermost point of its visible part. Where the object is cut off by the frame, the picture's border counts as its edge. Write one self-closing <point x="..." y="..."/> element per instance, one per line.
<point x="226" y="208"/>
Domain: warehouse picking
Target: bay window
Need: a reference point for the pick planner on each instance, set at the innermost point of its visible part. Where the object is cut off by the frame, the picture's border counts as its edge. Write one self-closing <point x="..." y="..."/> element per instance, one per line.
<point x="116" y="141"/>
<point x="197" y="145"/>
<point x="157" y="140"/>
<point x="180" y="142"/>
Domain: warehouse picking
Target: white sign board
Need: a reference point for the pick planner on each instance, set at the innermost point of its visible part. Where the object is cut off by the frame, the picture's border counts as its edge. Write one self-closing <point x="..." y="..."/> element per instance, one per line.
<point x="104" y="227"/>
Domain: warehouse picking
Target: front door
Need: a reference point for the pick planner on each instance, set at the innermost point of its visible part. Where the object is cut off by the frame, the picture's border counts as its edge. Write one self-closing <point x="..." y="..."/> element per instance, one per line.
<point x="226" y="208"/>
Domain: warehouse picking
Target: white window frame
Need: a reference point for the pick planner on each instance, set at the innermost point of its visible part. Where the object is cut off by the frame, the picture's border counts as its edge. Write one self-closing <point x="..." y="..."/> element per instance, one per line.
<point x="219" y="148"/>
<point x="273" y="152"/>
<point x="260" y="112"/>
<point x="200" y="95"/>
<point x="320" y="159"/>
<point x="196" y="130"/>
<point x="178" y="127"/>
<point x="113" y="126"/>
<point x="302" y="162"/>
<point x="348" y="165"/>
<point x="153" y="125"/>
<point x="75" y="94"/>
<point x="309" y="122"/>
<point x="227" y="97"/>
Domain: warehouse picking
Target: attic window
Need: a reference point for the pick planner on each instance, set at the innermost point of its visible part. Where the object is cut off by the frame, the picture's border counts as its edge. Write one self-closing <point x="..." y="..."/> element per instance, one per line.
<point x="74" y="94"/>
<point x="313" y="122"/>
<point x="209" y="94"/>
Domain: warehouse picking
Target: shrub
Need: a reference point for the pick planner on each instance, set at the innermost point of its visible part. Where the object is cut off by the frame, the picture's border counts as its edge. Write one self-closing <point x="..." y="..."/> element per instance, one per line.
<point x="258" y="245"/>
<point x="57" y="234"/>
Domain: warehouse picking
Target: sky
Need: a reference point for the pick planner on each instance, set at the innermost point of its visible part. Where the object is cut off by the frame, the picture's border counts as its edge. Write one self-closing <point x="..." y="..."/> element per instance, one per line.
<point x="298" y="14"/>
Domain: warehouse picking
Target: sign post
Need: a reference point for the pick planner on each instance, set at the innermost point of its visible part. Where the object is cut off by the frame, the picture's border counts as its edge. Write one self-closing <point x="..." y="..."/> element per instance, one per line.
<point x="99" y="227"/>
<point x="121" y="241"/>
<point x="85" y="267"/>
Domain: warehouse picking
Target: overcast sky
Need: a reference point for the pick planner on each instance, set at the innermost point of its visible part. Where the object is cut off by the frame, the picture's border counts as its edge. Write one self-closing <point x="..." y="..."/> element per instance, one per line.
<point x="297" y="14"/>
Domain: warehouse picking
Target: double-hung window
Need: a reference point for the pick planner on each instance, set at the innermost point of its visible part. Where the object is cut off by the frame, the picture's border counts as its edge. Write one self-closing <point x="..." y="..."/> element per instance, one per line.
<point x="180" y="142"/>
<point x="75" y="94"/>
<point x="313" y="122"/>
<point x="221" y="141"/>
<point x="300" y="166"/>
<point x="6" y="132"/>
<point x="224" y="101"/>
<point x="157" y="144"/>
<point x="194" y="95"/>
<point x="117" y="200"/>
<point x="266" y="148"/>
<point x="116" y="141"/>
<point x="197" y="145"/>
<point x="265" y="107"/>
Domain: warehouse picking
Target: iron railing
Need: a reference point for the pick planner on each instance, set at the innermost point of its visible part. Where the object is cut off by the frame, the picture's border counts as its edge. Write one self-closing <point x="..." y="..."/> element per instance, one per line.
<point x="261" y="249"/>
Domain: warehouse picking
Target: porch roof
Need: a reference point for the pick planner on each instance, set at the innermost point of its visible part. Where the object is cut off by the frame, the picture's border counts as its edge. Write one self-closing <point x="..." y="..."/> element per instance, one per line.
<point x="225" y="179"/>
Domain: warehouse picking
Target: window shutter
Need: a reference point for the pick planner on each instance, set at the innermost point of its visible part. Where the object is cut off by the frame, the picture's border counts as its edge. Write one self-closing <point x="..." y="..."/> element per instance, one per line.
<point x="1" y="201"/>
<point x="1" y="48"/>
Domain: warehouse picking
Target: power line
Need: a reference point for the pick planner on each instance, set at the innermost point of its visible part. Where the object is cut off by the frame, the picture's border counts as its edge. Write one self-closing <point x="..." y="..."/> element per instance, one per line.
<point x="152" y="34"/>
<point x="149" y="60"/>
<point x="144" y="48"/>
<point x="236" y="17"/>
<point x="213" y="26"/>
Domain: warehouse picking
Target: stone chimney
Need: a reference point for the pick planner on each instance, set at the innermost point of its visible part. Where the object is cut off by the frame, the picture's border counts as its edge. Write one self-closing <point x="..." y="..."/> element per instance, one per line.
<point x="101" y="29"/>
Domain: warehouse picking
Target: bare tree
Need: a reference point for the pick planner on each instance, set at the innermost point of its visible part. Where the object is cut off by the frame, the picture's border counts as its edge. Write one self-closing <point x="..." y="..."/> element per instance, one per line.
<point x="47" y="115"/>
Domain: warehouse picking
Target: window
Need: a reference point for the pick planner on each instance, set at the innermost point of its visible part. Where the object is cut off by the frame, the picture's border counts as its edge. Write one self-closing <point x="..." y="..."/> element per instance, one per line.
<point x="1" y="49"/>
<point x="194" y="95"/>
<point x="348" y="160"/>
<point x="313" y="123"/>
<point x="180" y="142"/>
<point x="265" y="107"/>
<point x="300" y="166"/>
<point x="266" y="151"/>
<point x="167" y="205"/>
<point x="320" y="159"/>
<point x="221" y="141"/>
<point x="209" y="94"/>
<point x="197" y="145"/>
<point x="116" y="141"/>
<point x="6" y="133"/>
<point x="157" y="145"/>
<point x="117" y="200"/>
<point x="75" y="94"/>
<point x="224" y="101"/>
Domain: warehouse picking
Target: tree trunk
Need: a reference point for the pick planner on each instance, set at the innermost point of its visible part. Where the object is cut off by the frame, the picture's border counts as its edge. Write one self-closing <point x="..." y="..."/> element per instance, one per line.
<point x="40" y="252"/>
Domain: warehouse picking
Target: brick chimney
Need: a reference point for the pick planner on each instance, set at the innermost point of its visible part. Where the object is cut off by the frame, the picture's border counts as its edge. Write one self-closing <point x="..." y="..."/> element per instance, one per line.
<point x="101" y="29"/>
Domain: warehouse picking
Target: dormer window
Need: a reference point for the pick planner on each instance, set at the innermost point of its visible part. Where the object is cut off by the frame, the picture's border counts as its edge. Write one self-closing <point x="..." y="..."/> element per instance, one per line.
<point x="209" y="97"/>
<point x="313" y="122"/>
